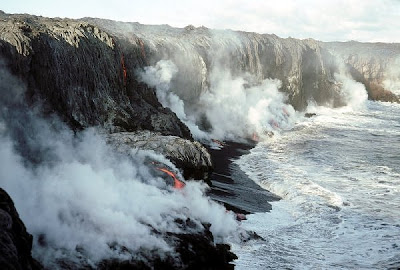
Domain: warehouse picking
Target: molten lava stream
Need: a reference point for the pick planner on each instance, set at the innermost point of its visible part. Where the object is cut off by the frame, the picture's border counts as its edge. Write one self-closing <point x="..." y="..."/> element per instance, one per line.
<point x="123" y="68"/>
<point x="178" y="184"/>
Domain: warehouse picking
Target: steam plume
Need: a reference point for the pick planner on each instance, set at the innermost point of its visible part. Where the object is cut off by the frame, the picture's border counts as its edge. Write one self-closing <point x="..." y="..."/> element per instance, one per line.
<point x="79" y="197"/>
<point x="235" y="107"/>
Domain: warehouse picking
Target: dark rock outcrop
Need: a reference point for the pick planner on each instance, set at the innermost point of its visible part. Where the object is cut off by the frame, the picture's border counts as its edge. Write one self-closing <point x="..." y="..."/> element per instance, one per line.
<point x="83" y="74"/>
<point x="190" y="156"/>
<point x="15" y="241"/>
<point x="193" y="251"/>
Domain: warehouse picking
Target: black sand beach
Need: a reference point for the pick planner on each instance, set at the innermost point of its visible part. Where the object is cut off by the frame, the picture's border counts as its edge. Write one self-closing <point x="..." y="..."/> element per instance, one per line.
<point x="232" y="187"/>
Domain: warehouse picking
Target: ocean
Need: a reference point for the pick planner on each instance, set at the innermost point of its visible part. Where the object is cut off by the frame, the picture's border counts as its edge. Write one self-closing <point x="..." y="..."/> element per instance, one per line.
<point x="338" y="174"/>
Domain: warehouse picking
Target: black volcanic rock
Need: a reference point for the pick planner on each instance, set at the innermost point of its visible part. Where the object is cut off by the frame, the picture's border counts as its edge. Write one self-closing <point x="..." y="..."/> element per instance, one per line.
<point x="83" y="74"/>
<point x="15" y="241"/>
<point x="190" y="156"/>
<point x="193" y="251"/>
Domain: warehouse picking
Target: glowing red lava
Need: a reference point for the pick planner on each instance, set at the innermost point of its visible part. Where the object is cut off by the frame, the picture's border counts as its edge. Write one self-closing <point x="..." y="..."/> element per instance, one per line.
<point x="220" y="143"/>
<point x="255" y="137"/>
<point x="142" y="48"/>
<point x="123" y="68"/>
<point x="178" y="184"/>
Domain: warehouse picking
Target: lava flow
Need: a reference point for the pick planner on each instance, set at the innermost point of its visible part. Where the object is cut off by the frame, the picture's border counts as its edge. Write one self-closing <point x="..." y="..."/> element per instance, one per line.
<point x="220" y="143"/>
<point x="178" y="184"/>
<point x="123" y="68"/>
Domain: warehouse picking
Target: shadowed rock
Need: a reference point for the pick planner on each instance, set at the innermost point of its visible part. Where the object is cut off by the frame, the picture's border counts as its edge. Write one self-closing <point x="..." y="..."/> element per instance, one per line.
<point x="15" y="241"/>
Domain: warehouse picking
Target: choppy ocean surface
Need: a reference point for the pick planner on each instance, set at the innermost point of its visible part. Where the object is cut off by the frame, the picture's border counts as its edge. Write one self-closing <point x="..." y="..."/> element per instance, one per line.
<point x="338" y="174"/>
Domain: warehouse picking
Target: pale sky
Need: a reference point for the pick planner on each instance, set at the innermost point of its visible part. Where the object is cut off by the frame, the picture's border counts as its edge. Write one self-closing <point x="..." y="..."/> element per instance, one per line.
<point x="327" y="20"/>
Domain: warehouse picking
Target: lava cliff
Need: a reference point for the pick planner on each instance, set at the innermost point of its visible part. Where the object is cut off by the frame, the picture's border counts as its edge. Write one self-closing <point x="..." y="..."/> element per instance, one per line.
<point x="86" y="72"/>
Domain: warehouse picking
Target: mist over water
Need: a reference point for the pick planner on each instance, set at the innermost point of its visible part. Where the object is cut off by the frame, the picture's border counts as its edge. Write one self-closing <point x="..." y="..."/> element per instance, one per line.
<point x="338" y="174"/>
<point x="392" y="81"/>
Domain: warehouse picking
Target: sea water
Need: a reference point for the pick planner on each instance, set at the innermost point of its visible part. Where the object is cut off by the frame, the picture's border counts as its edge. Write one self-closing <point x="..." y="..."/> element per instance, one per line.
<point x="338" y="174"/>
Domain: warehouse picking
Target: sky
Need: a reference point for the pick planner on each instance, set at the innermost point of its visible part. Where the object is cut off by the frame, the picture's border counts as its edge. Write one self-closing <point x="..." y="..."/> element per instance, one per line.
<point x="326" y="20"/>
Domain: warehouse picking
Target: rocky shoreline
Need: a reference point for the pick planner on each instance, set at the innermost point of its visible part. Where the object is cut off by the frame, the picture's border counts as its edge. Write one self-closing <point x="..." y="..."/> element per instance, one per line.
<point x="197" y="250"/>
<point x="231" y="186"/>
<point x="85" y="73"/>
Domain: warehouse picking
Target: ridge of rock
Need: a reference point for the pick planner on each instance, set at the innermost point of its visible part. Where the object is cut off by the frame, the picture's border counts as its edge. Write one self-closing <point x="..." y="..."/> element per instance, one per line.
<point x="83" y="74"/>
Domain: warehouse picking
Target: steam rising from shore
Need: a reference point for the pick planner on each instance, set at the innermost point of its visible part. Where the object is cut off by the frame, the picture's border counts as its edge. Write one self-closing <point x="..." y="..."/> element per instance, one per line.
<point x="239" y="107"/>
<point x="354" y="93"/>
<point x="234" y="107"/>
<point x="160" y="76"/>
<point x="79" y="197"/>
<point x="392" y="81"/>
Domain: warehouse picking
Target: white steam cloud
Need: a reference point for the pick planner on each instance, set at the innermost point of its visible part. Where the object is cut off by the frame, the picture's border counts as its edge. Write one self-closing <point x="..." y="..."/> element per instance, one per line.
<point x="354" y="93"/>
<point x="235" y="107"/>
<point x="79" y="197"/>
<point x="238" y="108"/>
<point x="160" y="76"/>
<point x="392" y="81"/>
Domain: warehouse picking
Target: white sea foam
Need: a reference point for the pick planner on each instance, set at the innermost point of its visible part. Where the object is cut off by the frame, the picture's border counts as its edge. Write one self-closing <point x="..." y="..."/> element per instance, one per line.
<point x="338" y="176"/>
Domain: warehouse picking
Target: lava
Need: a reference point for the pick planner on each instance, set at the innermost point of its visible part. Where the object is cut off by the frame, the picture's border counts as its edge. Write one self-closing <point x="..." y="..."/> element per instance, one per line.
<point x="220" y="143"/>
<point x="255" y="137"/>
<point x="142" y="48"/>
<point x="123" y="68"/>
<point x="274" y="124"/>
<point x="240" y="217"/>
<point x="178" y="184"/>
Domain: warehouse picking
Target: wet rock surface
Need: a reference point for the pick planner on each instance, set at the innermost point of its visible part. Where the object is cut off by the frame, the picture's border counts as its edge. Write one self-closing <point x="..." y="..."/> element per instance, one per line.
<point x="232" y="187"/>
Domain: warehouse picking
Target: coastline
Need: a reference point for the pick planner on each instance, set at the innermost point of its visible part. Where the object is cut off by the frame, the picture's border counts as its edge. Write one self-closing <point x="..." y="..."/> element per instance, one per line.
<point x="231" y="186"/>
